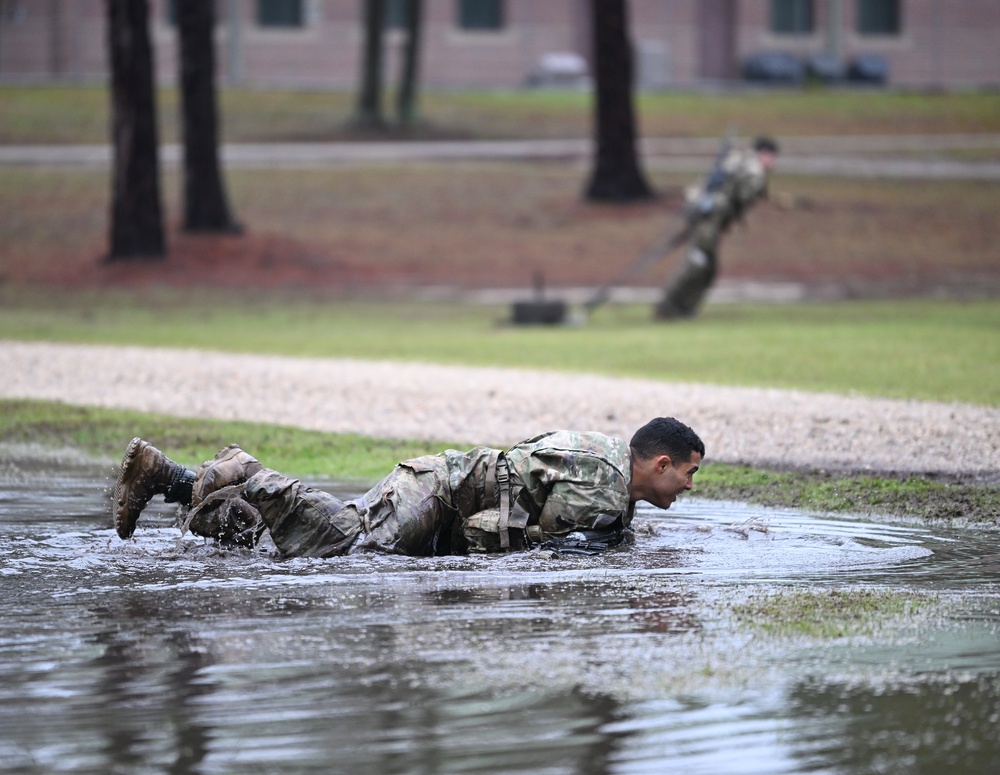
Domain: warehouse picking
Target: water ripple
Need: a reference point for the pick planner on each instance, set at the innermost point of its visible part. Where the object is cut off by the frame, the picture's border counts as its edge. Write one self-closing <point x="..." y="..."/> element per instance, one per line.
<point x="164" y="654"/>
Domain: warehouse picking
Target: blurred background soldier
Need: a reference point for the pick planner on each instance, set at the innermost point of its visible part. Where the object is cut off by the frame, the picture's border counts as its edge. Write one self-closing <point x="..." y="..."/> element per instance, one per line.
<point x="738" y="180"/>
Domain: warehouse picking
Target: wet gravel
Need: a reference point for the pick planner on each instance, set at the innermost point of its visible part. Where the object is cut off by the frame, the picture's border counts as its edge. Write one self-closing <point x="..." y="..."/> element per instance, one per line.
<point x="496" y="406"/>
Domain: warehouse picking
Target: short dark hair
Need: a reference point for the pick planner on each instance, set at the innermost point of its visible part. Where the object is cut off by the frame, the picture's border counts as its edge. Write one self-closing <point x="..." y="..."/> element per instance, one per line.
<point x="666" y="436"/>
<point x="766" y="145"/>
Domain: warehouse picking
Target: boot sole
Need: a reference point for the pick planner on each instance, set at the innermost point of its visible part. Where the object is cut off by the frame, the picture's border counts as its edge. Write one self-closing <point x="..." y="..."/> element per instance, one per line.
<point x="125" y="526"/>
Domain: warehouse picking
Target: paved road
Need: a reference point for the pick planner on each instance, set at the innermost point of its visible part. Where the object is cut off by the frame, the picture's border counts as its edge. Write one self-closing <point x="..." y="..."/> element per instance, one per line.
<point x="907" y="157"/>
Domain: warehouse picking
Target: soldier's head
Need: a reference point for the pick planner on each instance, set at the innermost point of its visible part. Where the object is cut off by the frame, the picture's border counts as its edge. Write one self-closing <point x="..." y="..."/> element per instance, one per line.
<point x="666" y="436"/>
<point x="666" y="453"/>
<point x="767" y="151"/>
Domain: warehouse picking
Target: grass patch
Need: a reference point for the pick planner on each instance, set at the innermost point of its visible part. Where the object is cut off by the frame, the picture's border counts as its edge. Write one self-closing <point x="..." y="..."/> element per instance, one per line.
<point x="911" y="497"/>
<point x="827" y="614"/>
<point x="350" y="458"/>
<point x="918" y="349"/>
<point x="80" y="114"/>
<point x="105" y="433"/>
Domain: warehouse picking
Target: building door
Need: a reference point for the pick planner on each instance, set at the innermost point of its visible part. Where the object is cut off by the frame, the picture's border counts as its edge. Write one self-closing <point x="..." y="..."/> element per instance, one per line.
<point x="717" y="39"/>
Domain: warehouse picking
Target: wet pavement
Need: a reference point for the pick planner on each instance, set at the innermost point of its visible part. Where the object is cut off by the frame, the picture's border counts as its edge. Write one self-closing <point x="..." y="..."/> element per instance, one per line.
<point x="163" y="654"/>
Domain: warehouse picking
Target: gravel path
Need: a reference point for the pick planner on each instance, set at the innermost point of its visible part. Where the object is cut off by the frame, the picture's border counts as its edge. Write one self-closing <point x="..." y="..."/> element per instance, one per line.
<point x="885" y="156"/>
<point x="501" y="406"/>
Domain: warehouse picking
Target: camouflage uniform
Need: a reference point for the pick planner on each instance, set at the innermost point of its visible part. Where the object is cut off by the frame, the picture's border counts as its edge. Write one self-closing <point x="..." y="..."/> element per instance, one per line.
<point x="712" y="207"/>
<point x="560" y="482"/>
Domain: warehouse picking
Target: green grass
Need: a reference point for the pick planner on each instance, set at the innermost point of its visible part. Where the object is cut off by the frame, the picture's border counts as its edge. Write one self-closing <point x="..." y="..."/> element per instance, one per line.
<point x="859" y="230"/>
<point x="80" y="114"/>
<point x="916" y="349"/>
<point x="906" y="349"/>
<point x="358" y="460"/>
<point x="850" y="493"/>
<point x="105" y="433"/>
<point x="826" y="615"/>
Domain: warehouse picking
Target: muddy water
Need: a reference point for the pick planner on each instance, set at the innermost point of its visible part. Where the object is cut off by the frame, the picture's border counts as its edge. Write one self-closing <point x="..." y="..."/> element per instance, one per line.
<point x="163" y="655"/>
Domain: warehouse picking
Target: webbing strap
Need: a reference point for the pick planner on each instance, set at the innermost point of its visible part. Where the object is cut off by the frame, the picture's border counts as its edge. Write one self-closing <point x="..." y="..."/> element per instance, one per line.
<point x="503" y="484"/>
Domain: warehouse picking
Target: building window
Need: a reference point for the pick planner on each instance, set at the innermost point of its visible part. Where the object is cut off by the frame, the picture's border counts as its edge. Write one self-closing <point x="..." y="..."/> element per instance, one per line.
<point x="878" y="17"/>
<point x="395" y="14"/>
<point x="480" y="14"/>
<point x="792" y="17"/>
<point x="280" y="13"/>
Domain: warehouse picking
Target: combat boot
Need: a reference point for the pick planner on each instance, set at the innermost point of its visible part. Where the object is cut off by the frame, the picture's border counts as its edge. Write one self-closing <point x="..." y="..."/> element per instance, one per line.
<point x="146" y="472"/>
<point x="230" y="466"/>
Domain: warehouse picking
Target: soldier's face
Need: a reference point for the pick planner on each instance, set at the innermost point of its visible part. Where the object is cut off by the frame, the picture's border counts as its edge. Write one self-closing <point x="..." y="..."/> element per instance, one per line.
<point x="767" y="159"/>
<point x="672" y="479"/>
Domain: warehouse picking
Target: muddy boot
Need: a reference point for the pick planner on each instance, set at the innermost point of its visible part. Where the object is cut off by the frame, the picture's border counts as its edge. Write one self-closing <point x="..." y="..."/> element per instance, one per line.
<point x="230" y="466"/>
<point x="684" y="293"/>
<point x="146" y="472"/>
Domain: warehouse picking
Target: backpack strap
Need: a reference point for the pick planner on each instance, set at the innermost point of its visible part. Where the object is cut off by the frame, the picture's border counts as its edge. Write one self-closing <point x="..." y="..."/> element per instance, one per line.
<point x="503" y="485"/>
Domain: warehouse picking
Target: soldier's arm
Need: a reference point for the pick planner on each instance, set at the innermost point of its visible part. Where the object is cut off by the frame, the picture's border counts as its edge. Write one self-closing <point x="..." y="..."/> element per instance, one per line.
<point x="571" y="506"/>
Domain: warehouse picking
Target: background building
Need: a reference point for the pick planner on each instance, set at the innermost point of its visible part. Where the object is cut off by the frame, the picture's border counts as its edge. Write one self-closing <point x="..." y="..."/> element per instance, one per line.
<point x="679" y="44"/>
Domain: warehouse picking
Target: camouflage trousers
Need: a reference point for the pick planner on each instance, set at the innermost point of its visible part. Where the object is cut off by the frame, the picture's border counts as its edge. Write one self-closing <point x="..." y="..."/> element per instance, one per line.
<point x="685" y="291"/>
<point x="422" y="508"/>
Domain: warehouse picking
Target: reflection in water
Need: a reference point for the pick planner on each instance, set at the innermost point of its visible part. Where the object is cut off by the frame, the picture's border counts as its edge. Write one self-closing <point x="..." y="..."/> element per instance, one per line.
<point x="164" y="691"/>
<point x="668" y="612"/>
<point x="164" y="655"/>
<point x="943" y="725"/>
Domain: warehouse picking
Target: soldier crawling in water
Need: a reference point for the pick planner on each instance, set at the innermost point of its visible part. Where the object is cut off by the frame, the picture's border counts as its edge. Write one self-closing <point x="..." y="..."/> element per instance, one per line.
<point x="579" y="488"/>
<point x="738" y="181"/>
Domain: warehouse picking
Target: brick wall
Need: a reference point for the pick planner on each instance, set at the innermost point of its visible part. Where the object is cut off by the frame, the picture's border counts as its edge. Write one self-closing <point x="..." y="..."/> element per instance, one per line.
<point x="942" y="43"/>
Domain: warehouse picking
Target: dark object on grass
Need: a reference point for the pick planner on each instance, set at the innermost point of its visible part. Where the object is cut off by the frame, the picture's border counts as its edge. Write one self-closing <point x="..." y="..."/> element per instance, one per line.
<point x="539" y="311"/>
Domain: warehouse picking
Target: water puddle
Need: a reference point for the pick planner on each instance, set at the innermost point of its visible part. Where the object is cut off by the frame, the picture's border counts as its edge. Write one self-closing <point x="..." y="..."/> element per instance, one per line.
<point x="164" y="654"/>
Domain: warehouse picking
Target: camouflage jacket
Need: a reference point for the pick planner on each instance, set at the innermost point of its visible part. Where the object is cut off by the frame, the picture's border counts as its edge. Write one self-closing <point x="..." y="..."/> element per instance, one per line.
<point x="561" y="482"/>
<point x="743" y="180"/>
<point x="569" y="480"/>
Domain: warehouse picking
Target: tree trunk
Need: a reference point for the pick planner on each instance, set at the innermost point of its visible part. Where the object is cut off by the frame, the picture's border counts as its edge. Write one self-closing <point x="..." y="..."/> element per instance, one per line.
<point x="616" y="176"/>
<point x="136" y="213"/>
<point x="369" y="109"/>
<point x="406" y="101"/>
<point x="205" y="205"/>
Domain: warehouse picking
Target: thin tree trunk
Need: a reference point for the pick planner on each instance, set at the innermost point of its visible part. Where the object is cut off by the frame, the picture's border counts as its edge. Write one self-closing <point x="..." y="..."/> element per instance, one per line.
<point x="616" y="176"/>
<point x="136" y="212"/>
<point x="406" y="101"/>
<point x="369" y="109"/>
<point x="205" y="204"/>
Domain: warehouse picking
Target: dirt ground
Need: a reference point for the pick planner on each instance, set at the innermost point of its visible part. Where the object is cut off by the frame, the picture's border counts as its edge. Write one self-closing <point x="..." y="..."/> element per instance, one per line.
<point x="339" y="232"/>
